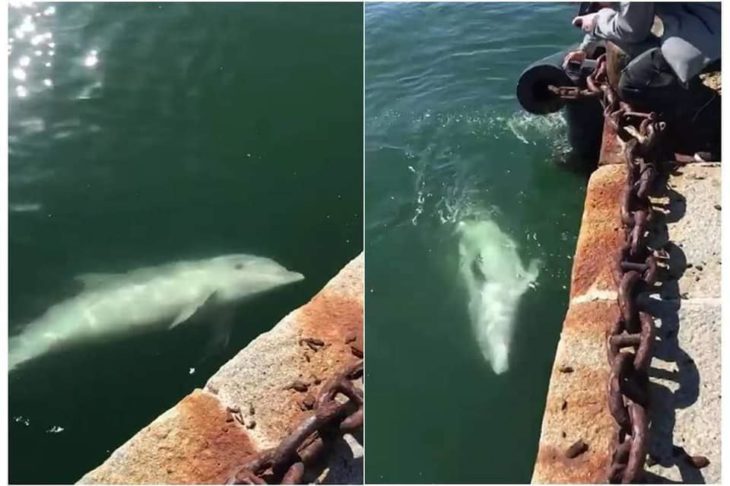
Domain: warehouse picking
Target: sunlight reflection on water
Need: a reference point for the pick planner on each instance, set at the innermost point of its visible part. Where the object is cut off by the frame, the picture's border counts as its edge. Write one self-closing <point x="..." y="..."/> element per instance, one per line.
<point x="32" y="48"/>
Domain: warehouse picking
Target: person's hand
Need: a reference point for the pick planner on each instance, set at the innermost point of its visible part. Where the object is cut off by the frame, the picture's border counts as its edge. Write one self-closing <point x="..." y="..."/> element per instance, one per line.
<point x="586" y="22"/>
<point x="574" y="56"/>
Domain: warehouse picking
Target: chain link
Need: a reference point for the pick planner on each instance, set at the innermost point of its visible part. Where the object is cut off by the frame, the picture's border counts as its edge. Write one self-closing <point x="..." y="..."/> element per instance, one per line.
<point x="635" y="271"/>
<point x="593" y="88"/>
<point x="310" y="440"/>
<point x="630" y="338"/>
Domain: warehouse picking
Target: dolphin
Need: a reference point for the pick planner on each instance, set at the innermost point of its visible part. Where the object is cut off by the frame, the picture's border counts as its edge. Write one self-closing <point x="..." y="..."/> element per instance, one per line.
<point x="113" y="305"/>
<point x="495" y="279"/>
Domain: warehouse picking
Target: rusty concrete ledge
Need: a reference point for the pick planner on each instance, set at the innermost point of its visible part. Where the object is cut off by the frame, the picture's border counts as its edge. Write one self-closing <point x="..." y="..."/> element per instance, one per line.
<point x="576" y="403"/>
<point x="685" y="371"/>
<point x="611" y="150"/>
<point x="199" y="440"/>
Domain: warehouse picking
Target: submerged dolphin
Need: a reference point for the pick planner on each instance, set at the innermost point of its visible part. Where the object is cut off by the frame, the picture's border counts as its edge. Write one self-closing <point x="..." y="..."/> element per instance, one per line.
<point x="495" y="280"/>
<point x="165" y="295"/>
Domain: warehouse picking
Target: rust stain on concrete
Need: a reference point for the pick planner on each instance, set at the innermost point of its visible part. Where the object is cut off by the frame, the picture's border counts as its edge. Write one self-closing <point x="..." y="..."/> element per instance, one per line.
<point x="335" y="319"/>
<point x="595" y="257"/>
<point x="576" y="406"/>
<point x="335" y="316"/>
<point x="611" y="149"/>
<point x="586" y="468"/>
<point x="603" y="194"/>
<point x="307" y="348"/>
<point x="200" y="441"/>
<point x="191" y="443"/>
<point x="338" y="322"/>
<point x="601" y="235"/>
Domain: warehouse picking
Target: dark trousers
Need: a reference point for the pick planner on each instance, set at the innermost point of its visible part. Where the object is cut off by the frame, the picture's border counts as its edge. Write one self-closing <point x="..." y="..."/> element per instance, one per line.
<point x="648" y="83"/>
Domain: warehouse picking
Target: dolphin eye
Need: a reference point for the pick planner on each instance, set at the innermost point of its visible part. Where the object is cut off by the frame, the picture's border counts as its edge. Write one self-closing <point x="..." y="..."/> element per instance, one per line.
<point x="239" y="266"/>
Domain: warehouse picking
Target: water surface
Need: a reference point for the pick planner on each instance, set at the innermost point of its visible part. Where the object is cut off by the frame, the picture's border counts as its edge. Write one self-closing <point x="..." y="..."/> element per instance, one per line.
<point x="141" y="134"/>
<point x="446" y="141"/>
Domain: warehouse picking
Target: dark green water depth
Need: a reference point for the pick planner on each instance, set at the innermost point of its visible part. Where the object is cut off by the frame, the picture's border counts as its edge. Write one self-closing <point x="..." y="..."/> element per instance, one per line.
<point x="141" y="134"/>
<point x="447" y="141"/>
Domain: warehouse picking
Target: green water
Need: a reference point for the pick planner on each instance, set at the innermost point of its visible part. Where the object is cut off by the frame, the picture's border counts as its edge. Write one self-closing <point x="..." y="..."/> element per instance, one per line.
<point x="141" y="134"/>
<point x="447" y="141"/>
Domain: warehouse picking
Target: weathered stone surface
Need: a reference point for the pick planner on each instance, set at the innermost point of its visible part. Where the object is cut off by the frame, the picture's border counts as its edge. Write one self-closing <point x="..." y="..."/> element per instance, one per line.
<point x="190" y="443"/>
<point x="603" y="193"/>
<point x="576" y="402"/>
<point x="686" y="380"/>
<point x="611" y="149"/>
<point x="694" y="223"/>
<point x="261" y="373"/>
<point x="685" y="370"/>
<point x="198" y="442"/>
<point x="686" y="390"/>
<point x="600" y="236"/>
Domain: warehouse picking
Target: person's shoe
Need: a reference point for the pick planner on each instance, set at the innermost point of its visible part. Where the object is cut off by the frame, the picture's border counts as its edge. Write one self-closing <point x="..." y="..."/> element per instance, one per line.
<point x="707" y="156"/>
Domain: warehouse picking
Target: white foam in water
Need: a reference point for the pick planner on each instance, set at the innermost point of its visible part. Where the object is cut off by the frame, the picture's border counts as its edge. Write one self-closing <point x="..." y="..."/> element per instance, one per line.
<point x="22" y="420"/>
<point x="533" y="129"/>
<point x="442" y="187"/>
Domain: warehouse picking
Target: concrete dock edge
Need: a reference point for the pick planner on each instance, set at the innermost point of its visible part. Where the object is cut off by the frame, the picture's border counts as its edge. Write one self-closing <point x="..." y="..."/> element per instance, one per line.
<point x="204" y="438"/>
<point x="685" y="371"/>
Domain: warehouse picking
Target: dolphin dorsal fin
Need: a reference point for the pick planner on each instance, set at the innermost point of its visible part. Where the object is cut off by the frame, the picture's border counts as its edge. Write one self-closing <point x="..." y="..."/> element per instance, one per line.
<point x="91" y="280"/>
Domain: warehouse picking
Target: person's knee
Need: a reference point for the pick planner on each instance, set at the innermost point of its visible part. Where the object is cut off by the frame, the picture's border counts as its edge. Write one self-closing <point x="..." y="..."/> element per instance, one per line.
<point x="627" y="88"/>
<point x="650" y="83"/>
<point x="637" y="77"/>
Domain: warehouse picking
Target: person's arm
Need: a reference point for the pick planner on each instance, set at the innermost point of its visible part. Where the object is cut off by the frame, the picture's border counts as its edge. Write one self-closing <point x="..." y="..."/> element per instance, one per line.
<point x="590" y="42"/>
<point x="631" y="24"/>
<point x="587" y="47"/>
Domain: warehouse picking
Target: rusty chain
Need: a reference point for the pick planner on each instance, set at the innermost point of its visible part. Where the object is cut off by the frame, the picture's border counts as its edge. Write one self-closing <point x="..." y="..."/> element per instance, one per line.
<point x="308" y="442"/>
<point x="630" y="338"/>
<point x="570" y="93"/>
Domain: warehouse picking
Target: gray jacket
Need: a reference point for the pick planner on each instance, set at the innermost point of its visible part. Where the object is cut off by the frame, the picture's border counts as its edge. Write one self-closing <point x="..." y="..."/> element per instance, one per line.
<point x="688" y="32"/>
